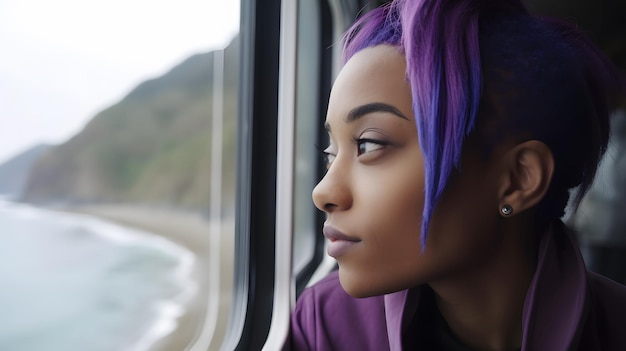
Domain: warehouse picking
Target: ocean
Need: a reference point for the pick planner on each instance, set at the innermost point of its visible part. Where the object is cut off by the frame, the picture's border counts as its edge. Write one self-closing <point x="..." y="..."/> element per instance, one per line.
<point x="72" y="282"/>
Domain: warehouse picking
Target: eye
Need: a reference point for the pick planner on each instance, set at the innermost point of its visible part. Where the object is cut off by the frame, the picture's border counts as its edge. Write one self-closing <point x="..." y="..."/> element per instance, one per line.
<point x="329" y="158"/>
<point x="369" y="145"/>
<point x="328" y="155"/>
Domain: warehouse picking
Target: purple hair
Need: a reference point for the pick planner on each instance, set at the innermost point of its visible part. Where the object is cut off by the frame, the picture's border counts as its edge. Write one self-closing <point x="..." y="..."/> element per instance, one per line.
<point x="489" y="68"/>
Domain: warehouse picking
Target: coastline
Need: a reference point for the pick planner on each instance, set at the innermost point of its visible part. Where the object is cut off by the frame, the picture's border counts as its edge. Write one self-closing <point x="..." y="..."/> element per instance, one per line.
<point x="190" y="231"/>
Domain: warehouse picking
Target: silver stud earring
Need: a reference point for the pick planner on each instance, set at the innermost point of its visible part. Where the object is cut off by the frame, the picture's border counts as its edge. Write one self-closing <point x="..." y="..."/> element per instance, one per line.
<point x="506" y="210"/>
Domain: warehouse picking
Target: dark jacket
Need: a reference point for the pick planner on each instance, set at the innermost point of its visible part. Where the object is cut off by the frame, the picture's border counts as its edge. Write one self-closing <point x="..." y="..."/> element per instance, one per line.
<point x="566" y="308"/>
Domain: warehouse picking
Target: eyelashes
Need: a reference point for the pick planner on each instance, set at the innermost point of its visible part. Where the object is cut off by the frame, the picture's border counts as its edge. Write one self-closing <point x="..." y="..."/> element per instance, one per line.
<point x="366" y="149"/>
<point x="366" y="145"/>
<point x="327" y="156"/>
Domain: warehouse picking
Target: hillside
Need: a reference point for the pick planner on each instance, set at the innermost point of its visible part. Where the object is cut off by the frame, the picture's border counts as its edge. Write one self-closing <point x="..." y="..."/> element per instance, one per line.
<point x="14" y="172"/>
<point x="153" y="147"/>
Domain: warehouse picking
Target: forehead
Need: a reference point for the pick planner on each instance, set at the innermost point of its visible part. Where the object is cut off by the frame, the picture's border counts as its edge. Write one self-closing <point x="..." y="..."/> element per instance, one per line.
<point x="375" y="74"/>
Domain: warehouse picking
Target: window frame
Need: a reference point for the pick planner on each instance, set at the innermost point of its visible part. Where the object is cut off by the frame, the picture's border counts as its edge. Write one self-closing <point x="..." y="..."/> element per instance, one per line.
<point x="256" y="176"/>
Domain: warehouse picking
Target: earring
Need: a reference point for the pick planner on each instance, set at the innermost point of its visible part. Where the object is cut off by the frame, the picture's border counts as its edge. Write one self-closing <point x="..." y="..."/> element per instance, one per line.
<point x="506" y="210"/>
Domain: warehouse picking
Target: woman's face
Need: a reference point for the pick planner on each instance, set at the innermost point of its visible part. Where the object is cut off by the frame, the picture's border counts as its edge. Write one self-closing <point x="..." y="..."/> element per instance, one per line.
<point x="373" y="192"/>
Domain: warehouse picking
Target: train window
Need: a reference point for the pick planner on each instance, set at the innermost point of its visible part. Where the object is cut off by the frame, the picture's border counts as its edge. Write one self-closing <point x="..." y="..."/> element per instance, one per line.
<point x="307" y="114"/>
<point x="117" y="173"/>
<point x="314" y="63"/>
<point x="251" y="307"/>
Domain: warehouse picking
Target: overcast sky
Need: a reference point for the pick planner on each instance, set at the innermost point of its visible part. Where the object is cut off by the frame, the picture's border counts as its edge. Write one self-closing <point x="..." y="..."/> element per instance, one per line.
<point x="63" y="61"/>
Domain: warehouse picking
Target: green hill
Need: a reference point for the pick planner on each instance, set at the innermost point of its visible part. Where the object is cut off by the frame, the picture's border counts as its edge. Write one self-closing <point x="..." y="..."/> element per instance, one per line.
<point x="153" y="147"/>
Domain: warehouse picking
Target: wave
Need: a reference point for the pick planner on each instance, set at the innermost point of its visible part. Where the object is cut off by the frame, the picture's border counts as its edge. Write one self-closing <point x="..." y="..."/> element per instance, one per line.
<point x="75" y="272"/>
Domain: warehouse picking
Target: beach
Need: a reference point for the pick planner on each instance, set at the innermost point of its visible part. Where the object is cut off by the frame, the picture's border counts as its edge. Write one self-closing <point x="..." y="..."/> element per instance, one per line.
<point x="190" y="231"/>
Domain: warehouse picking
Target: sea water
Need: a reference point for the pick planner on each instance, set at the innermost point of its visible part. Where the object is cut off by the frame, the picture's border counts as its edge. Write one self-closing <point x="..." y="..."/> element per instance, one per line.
<point x="71" y="282"/>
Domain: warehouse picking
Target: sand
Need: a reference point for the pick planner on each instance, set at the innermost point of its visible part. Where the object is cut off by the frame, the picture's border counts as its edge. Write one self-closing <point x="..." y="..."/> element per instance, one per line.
<point x="190" y="231"/>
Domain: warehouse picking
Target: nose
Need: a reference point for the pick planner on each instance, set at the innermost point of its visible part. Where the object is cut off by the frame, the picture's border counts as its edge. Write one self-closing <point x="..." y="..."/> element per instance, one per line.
<point x="333" y="192"/>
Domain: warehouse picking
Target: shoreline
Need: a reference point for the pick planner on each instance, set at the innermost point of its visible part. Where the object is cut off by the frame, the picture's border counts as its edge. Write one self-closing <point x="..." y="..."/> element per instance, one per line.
<point x="190" y="231"/>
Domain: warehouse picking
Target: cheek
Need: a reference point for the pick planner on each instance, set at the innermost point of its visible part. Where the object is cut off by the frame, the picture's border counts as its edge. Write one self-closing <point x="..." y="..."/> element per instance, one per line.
<point x="392" y="201"/>
<point x="389" y="214"/>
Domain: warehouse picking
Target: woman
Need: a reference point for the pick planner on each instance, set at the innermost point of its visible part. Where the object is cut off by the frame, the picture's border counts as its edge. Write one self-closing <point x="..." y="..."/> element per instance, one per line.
<point x="458" y="128"/>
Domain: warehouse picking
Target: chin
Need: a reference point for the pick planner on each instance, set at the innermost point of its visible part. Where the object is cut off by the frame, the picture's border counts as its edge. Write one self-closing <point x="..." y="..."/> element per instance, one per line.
<point x="367" y="286"/>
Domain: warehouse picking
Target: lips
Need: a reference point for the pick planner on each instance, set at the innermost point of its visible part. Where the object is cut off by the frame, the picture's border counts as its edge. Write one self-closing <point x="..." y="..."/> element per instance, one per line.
<point x="340" y="243"/>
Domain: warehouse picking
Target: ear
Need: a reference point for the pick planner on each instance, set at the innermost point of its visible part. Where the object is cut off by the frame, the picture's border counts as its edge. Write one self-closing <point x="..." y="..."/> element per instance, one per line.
<point x="526" y="173"/>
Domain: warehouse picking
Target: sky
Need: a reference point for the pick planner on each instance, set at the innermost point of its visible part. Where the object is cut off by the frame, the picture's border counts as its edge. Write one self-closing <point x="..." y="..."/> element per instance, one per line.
<point x="63" y="61"/>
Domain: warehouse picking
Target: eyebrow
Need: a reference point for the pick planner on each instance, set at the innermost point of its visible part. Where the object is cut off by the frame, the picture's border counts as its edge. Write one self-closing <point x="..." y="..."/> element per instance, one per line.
<point x="363" y="110"/>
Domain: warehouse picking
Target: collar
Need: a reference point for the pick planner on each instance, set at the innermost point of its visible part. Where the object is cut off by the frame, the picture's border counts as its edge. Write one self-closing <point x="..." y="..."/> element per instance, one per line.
<point x="554" y="306"/>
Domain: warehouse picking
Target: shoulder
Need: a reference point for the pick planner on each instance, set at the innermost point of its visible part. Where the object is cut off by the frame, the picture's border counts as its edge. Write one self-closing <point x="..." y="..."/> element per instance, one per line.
<point x="607" y="296"/>
<point x="606" y="292"/>
<point x="329" y="286"/>
<point x="328" y="299"/>
<point x="606" y="313"/>
<point x="606" y="287"/>
<point x="327" y="318"/>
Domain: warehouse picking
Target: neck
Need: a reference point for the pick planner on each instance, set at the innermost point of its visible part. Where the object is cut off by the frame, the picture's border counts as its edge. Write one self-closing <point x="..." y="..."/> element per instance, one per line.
<point x="484" y="308"/>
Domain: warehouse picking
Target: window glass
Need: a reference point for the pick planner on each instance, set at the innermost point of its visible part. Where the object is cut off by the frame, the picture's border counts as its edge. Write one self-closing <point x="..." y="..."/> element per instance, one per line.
<point x="308" y="119"/>
<point x="108" y="165"/>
